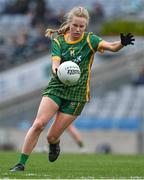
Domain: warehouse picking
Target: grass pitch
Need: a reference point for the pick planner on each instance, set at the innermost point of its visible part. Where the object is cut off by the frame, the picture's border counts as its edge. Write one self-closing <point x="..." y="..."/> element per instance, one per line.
<point x="74" y="166"/>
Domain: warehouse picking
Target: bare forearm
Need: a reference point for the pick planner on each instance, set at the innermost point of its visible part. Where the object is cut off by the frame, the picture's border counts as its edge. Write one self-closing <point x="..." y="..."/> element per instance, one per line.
<point x="124" y="41"/>
<point x="116" y="46"/>
<point x="112" y="46"/>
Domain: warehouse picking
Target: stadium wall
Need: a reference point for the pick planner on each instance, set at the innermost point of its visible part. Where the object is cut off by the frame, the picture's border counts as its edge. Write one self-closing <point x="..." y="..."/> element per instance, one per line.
<point x="96" y="141"/>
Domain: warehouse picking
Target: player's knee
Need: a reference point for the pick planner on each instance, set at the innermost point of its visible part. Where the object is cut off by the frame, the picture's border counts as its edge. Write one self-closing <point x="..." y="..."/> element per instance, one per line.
<point x="52" y="138"/>
<point x="38" y="127"/>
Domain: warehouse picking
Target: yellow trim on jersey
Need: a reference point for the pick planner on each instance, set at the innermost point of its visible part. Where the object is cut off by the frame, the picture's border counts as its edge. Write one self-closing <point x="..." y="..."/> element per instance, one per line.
<point x="88" y="81"/>
<point x="73" y="42"/>
<point x="56" y="58"/>
<point x="89" y="43"/>
<point x="100" y="48"/>
<point x="76" y="108"/>
<point x="57" y="41"/>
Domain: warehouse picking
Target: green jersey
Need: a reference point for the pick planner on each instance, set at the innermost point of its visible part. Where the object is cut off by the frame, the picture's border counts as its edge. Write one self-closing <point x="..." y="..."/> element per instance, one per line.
<point x="81" y="52"/>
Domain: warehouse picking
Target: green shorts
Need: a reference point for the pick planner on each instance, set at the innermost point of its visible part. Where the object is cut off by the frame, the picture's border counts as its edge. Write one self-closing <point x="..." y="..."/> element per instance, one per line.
<point x="66" y="106"/>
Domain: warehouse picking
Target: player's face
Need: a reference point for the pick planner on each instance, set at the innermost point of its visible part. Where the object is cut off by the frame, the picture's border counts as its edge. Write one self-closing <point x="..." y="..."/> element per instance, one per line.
<point x="77" y="27"/>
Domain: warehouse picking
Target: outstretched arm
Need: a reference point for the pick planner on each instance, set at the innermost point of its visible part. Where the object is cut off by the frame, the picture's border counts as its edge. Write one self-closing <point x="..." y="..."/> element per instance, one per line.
<point x="117" y="45"/>
<point x="112" y="46"/>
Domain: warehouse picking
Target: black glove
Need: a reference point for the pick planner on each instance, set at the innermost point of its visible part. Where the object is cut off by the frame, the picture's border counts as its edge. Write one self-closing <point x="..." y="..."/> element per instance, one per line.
<point x="127" y="39"/>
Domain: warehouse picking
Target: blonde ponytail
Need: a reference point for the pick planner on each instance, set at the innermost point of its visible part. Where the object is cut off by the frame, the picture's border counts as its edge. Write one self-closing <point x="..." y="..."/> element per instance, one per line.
<point x="64" y="28"/>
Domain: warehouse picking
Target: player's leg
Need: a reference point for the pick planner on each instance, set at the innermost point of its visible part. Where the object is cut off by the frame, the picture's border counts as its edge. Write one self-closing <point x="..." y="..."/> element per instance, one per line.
<point x="76" y="135"/>
<point x="46" y="111"/>
<point x="67" y="114"/>
<point x="61" y="122"/>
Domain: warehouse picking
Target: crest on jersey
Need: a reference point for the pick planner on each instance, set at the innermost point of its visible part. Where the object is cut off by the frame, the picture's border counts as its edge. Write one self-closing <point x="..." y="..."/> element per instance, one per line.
<point x="72" y="51"/>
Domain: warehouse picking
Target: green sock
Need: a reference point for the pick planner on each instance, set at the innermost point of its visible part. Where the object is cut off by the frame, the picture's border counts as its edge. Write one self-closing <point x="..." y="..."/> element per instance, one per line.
<point x="80" y="144"/>
<point x="23" y="158"/>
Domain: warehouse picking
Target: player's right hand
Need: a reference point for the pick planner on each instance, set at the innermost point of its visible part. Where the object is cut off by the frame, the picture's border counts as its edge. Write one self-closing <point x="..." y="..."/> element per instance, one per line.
<point x="54" y="71"/>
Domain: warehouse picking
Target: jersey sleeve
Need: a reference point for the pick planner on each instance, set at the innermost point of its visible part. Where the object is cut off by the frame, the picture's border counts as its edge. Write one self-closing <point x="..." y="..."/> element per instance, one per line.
<point x="96" y="42"/>
<point x="56" y="50"/>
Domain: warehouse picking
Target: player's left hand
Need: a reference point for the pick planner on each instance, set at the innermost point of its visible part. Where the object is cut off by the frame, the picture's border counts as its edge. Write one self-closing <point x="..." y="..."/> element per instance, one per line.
<point x="127" y="39"/>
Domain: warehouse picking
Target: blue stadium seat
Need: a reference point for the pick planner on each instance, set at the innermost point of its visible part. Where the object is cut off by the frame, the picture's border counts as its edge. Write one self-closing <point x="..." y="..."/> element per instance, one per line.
<point x="128" y="124"/>
<point x="91" y="122"/>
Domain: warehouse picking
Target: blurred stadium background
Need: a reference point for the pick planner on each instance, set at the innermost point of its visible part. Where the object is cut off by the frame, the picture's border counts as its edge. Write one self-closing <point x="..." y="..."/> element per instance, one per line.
<point x="113" y="122"/>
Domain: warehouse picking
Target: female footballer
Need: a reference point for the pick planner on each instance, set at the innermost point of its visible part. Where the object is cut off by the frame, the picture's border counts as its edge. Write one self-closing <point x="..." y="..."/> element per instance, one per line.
<point x="74" y="132"/>
<point x="71" y="43"/>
